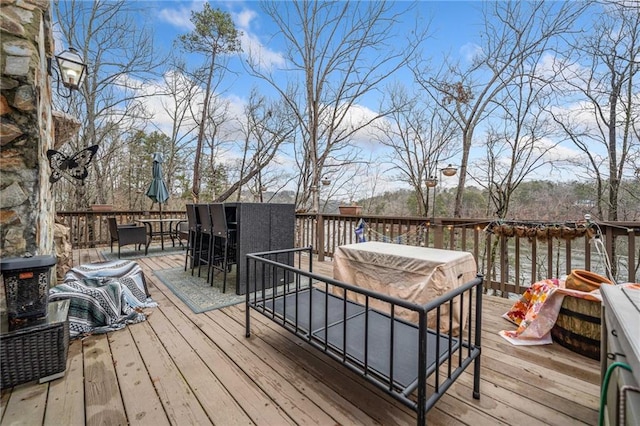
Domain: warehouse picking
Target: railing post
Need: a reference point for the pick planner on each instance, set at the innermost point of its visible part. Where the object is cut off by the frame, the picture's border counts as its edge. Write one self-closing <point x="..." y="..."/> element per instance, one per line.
<point x="320" y="236"/>
<point x="610" y="249"/>
<point x="631" y="262"/>
<point x="438" y="238"/>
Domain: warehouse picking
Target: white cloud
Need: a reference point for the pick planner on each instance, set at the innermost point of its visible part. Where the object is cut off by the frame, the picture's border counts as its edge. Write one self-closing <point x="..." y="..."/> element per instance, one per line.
<point x="557" y="152"/>
<point x="252" y="46"/>
<point x="364" y="137"/>
<point x="58" y="40"/>
<point x="266" y="58"/>
<point x="581" y="116"/>
<point x="158" y="104"/>
<point x="180" y="17"/>
<point x="470" y="51"/>
<point x="245" y="17"/>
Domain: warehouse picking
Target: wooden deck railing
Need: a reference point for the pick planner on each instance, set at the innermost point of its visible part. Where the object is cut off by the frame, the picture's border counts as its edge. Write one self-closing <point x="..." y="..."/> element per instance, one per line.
<point x="510" y="264"/>
<point x="90" y="228"/>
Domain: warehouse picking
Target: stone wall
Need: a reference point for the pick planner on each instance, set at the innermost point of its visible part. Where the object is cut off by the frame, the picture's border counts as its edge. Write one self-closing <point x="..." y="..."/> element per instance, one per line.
<point x="26" y="128"/>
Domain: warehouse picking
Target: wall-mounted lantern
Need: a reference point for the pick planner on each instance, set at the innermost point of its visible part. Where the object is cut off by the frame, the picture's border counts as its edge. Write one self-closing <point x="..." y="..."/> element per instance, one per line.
<point x="71" y="70"/>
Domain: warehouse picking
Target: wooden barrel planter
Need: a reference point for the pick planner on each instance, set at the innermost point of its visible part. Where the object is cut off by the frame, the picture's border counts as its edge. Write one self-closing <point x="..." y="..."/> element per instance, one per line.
<point x="578" y="326"/>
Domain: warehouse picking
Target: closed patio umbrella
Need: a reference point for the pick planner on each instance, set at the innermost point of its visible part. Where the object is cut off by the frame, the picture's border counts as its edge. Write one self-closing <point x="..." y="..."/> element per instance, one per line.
<point x="158" y="191"/>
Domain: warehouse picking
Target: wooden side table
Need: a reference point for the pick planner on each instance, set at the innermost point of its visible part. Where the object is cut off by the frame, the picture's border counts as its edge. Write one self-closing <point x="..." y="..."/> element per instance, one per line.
<point x="35" y="349"/>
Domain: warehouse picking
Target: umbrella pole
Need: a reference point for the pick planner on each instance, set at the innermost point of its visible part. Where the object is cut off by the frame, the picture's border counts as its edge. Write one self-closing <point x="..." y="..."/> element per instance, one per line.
<point x="161" y="230"/>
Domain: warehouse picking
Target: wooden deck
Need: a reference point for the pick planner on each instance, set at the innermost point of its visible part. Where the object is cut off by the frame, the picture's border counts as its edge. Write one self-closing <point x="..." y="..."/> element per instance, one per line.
<point x="195" y="369"/>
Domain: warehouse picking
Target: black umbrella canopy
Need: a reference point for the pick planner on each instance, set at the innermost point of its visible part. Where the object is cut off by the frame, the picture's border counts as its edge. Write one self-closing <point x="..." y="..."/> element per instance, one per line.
<point x="158" y="191"/>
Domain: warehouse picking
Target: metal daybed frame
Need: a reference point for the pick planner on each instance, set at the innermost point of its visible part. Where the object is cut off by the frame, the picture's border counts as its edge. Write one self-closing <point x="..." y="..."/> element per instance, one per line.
<point x="399" y="357"/>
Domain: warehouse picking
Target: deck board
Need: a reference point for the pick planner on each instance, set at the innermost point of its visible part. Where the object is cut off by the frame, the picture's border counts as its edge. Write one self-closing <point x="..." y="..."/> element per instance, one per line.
<point x="26" y="405"/>
<point x="65" y="402"/>
<point x="177" y="398"/>
<point x="315" y="397"/>
<point x="179" y="367"/>
<point x="219" y="405"/>
<point x="236" y="382"/>
<point x="134" y="381"/>
<point x="377" y="404"/>
<point x="104" y="404"/>
<point x="251" y="365"/>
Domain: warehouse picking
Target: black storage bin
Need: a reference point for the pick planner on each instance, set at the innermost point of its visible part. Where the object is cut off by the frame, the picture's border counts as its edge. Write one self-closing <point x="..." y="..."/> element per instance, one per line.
<point x="26" y="284"/>
<point x="36" y="349"/>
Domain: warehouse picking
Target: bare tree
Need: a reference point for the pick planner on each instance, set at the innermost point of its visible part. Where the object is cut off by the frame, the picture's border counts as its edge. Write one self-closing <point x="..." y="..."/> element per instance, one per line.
<point x="519" y="139"/>
<point x="337" y="53"/>
<point x="513" y="34"/>
<point x="120" y="56"/>
<point x="217" y="141"/>
<point x="214" y="36"/>
<point x="179" y="92"/>
<point x="605" y="76"/>
<point x="420" y="137"/>
<point x="267" y="130"/>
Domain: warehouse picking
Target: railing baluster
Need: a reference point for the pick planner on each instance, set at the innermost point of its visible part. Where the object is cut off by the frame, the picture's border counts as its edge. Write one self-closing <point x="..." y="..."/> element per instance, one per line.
<point x="631" y="264"/>
<point x="534" y="263"/>
<point x="517" y="264"/>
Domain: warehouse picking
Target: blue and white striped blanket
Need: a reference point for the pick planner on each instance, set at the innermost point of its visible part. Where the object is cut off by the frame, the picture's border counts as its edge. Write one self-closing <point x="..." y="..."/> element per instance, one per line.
<point x="103" y="296"/>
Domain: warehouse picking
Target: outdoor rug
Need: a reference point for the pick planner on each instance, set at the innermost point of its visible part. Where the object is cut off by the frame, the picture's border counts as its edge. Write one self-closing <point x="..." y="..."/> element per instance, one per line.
<point x="129" y="252"/>
<point x="196" y="292"/>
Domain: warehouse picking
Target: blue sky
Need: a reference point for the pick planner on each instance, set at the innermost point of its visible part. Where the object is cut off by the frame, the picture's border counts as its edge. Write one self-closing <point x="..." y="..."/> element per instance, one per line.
<point x="454" y="25"/>
<point x="455" y="28"/>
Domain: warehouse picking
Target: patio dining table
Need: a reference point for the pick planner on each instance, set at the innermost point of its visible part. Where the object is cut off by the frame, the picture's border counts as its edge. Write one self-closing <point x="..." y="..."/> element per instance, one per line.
<point x="174" y="223"/>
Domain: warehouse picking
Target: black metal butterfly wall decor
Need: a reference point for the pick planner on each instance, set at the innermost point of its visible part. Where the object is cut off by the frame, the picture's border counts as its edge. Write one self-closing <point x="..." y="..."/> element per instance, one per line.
<point x="73" y="167"/>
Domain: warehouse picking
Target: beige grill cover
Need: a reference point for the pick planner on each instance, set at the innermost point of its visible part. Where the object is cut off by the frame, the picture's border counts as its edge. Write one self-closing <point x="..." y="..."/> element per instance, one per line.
<point x="416" y="274"/>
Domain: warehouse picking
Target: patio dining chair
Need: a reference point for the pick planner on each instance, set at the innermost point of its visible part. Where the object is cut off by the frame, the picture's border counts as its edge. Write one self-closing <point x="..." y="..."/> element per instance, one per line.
<point x="126" y="234"/>
<point x="224" y="234"/>
<point x="181" y="232"/>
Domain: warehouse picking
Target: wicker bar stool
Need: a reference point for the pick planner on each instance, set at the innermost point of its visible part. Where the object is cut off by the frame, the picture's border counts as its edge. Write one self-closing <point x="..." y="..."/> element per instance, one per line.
<point x="193" y="240"/>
